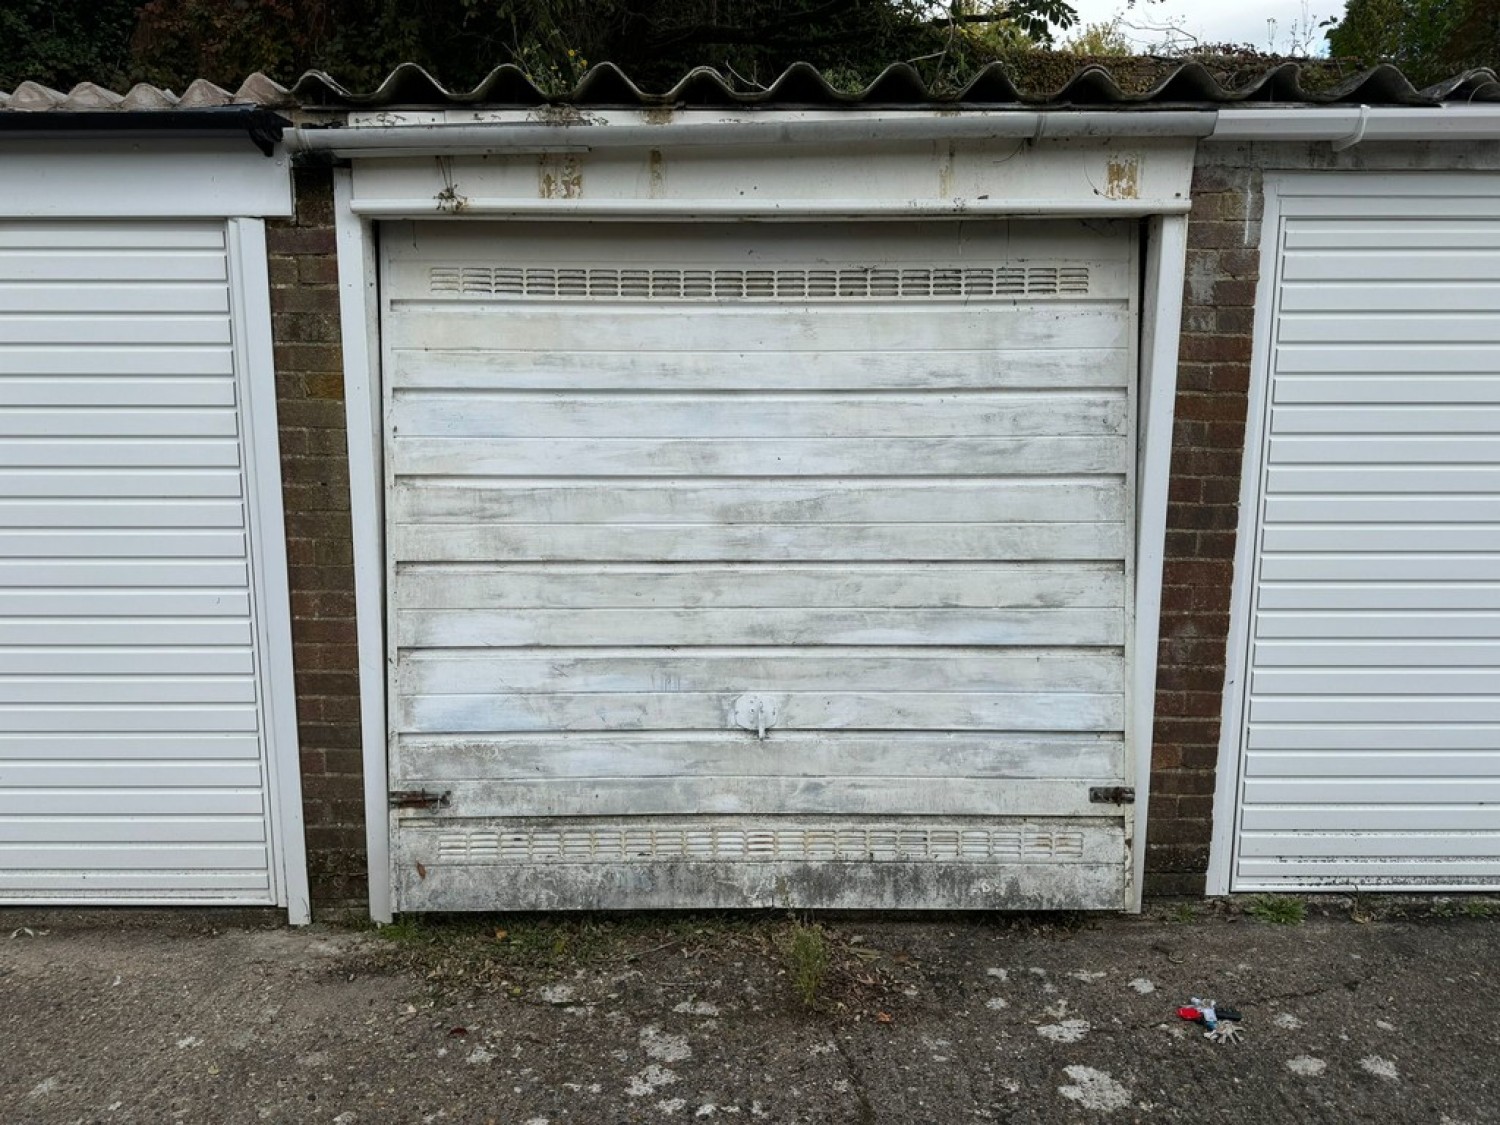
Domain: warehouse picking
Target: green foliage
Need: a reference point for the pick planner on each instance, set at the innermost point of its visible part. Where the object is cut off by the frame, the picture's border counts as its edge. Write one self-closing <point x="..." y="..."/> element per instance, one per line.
<point x="60" y="44"/>
<point x="807" y="960"/>
<point x="1278" y="910"/>
<point x="1100" y="40"/>
<point x="1428" y="39"/>
<point x="171" y="42"/>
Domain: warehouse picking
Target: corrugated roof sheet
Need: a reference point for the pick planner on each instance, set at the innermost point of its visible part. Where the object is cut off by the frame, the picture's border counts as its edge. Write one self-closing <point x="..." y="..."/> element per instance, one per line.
<point x="1129" y="86"/>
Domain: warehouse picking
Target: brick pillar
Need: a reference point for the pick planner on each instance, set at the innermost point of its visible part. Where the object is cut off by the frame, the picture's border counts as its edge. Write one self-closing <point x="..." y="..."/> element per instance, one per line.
<point x="1213" y="379"/>
<point x="315" y="485"/>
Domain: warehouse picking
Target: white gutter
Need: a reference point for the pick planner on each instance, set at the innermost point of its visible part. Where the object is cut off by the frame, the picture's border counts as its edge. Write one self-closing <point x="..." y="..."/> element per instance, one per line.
<point x="769" y="128"/>
<point x="1346" y="126"/>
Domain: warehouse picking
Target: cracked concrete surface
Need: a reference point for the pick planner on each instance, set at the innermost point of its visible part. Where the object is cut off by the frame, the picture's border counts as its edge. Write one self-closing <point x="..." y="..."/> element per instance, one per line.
<point x="159" y="1017"/>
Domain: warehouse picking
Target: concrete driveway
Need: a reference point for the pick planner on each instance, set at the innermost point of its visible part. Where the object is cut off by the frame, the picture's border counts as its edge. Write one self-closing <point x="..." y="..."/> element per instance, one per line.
<point x="186" y="1016"/>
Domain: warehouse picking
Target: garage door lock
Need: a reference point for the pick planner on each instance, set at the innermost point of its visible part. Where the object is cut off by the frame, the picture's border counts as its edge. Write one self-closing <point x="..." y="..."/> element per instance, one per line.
<point x="419" y="799"/>
<point x="1111" y="795"/>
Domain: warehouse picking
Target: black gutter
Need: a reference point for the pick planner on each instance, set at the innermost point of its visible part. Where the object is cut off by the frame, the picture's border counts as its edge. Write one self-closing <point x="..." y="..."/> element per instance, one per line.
<point x="264" y="127"/>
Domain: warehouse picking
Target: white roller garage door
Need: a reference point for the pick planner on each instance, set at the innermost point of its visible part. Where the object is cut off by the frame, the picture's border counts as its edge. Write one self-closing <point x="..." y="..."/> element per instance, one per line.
<point x="133" y="764"/>
<point x="1369" y="737"/>
<point x="759" y="565"/>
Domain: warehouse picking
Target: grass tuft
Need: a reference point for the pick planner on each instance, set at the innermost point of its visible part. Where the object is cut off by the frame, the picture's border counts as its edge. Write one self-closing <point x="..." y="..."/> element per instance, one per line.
<point x="1277" y="910"/>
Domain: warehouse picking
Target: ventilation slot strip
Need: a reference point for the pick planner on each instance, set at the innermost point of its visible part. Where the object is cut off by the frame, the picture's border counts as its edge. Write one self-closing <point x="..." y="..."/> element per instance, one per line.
<point x="811" y="284"/>
<point x="868" y="845"/>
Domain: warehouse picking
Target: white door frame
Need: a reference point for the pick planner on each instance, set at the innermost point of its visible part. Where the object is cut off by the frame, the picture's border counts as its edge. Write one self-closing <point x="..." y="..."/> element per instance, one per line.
<point x="385" y="190"/>
<point x="1373" y="194"/>
<point x="226" y="180"/>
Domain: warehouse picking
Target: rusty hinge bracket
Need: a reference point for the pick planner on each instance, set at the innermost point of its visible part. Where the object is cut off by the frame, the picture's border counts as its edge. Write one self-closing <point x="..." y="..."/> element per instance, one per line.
<point x="419" y="799"/>
<point x="1111" y="795"/>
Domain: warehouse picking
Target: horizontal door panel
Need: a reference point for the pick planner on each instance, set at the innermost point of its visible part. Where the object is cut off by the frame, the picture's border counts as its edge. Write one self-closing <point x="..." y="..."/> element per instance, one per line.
<point x="86" y="691"/>
<point x="1395" y="390"/>
<point x="1393" y="359"/>
<point x="132" y="747"/>
<point x="726" y="417"/>
<point x="53" y="573"/>
<point x="1395" y="537"/>
<point x="110" y="830"/>
<point x="1367" y="681"/>
<point x="1385" y="874"/>
<point x="67" y="483"/>
<point x="1375" y="764"/>
<point x="1356" y="479"/>
<point x="130" y="775"/>
<point x="1370" y="567"/>
<point x="445" y="628"/>
<point x="423" y="501"/>
<point x="56" y="328"/>
<point x="1419" y="736"/>
<point x="123" y="631"/>
<point x="788" y="796"/>
<point x="162" y="512"/>
<point x="1390" y="818"/>
<point x="834" y="710"/>
<point x="766" y="457"/>
<point x="93" y="265"/>
<point x="1393" y="263"/>
<point x="785" y="754"/>
<point x="1372" y="791"/>
<point x="440" y="368"/>
<point x="93" y="297"/>
<point x="117" y="857"/>
<point x="127" y="543"/>
<point x="79" y="422"/>
<point x="705" y="329"/>
<point x="117" y="391"/>
<point x="751" y="586"/>
<point x="130" y="453"/>
<point x="1410" y="418"/>
<point x="437" y="673"/>
<point x="1375" y="654"/>
<point x="770" y="542"/>
<point x="109" y="237"/>
<point x="1371" y="845"/>
<point x="152" y="360"/>
<point x="1407" y="707"/>
<point x="129" y="801"/>
<point x="1404" y="326"/>
<point x="1388" y="296"/>
<point x="20" y="719"/>
<point x="1381" y="596"/>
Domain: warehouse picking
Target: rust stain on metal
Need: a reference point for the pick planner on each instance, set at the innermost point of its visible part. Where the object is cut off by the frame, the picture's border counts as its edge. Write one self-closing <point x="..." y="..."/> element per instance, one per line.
<point x="1122" y="177"/>
<point x="658" y="115"/>
<point x="560" y="177"/>
<point x="945" y="173"/>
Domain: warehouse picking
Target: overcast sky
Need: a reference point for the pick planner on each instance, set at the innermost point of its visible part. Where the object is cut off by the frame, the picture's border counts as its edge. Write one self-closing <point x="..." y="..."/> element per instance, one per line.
<point x="1219" y="21"/>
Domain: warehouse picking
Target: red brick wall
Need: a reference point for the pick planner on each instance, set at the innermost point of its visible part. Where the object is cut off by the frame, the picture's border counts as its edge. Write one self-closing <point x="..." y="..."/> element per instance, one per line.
<point x="315" y="485"/>
<point x="1213" y="378"/>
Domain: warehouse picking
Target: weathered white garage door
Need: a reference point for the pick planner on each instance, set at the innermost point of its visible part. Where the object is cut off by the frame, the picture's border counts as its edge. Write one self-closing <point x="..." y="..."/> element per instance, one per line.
<point x="1370" y="746"/>
<point x="758" y="565"/>
<point x="132" y="766"/>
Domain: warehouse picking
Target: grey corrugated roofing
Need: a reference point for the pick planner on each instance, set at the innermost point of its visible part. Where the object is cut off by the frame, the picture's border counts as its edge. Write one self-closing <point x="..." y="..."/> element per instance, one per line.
<point x="801" y="85"/>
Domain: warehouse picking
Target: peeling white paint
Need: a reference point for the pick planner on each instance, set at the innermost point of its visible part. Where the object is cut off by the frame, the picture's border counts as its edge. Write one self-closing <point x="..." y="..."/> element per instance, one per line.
<point x="1094" y="1089"/>
<point x="1305" y="1066"/>
<point x="1069" y="1031"/>
<point x="664" y="1047"/>
<point x="650" y="1080"/>
<point x="1380" y="1068"/>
